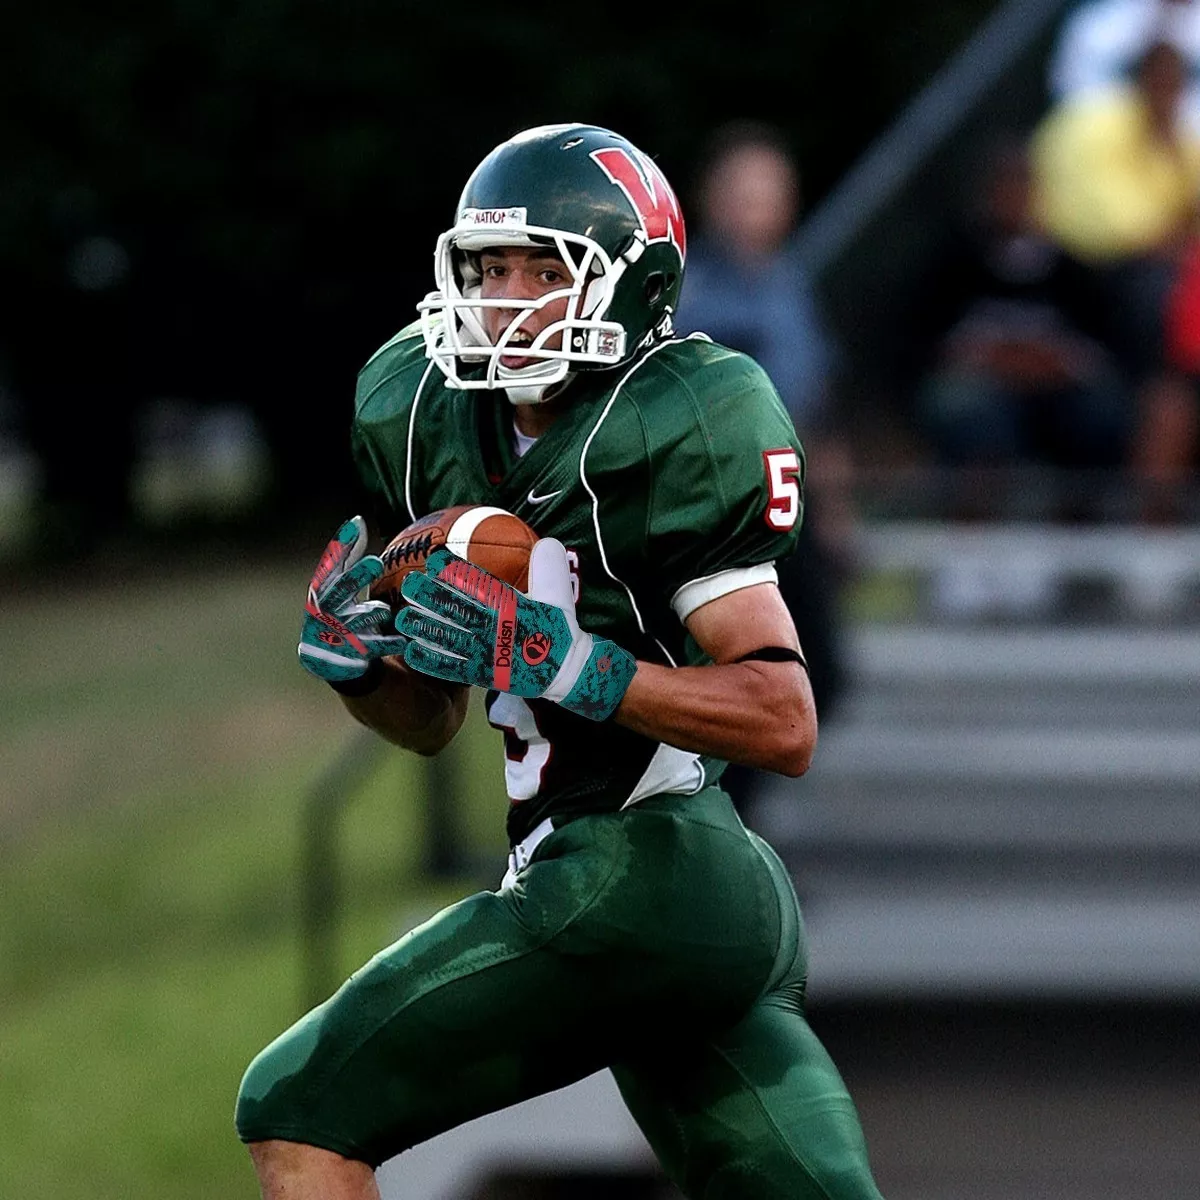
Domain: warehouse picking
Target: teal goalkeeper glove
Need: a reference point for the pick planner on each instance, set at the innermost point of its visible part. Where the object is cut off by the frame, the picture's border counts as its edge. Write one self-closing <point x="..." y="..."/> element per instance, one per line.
<point x="465" y="625"/>
<point x="340" y="638"/>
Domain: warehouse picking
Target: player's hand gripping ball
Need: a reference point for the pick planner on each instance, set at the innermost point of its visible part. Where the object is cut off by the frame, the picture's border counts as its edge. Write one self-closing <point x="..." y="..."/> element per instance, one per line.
<point x="341" y="635"/>
<point x="466" y="625"/>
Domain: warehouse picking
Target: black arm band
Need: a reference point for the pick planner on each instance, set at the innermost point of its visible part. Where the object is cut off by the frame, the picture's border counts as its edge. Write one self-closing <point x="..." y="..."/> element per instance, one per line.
<point x="774" y="654"/>
<point x="364" y="685"/>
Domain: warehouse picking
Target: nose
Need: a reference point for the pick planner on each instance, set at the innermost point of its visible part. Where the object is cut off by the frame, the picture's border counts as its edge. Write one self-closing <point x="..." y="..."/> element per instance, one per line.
<point x="516" y="285"/>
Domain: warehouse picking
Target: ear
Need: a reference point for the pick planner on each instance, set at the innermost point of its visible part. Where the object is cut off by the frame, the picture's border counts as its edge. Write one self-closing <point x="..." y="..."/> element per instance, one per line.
<point x="550" y="574"/>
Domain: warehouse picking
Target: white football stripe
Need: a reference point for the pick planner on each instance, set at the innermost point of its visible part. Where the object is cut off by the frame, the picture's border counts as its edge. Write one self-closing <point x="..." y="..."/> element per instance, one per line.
<point x="587" y="487"/>
<point x="458" y="536"/>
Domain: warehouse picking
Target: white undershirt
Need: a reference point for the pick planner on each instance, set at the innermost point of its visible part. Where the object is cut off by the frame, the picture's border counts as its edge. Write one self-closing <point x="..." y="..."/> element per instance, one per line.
<point x="521" y="441"/>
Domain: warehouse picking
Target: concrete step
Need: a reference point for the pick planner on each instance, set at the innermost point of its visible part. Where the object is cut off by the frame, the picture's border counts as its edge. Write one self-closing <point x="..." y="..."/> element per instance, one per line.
<point x="1037" y="740"/>
<point x="1049" y="757"/>
<point x="1066" y="705"/>
<point x="1002" y="812"/>
<point x="1032" y="571"/>
<point x="922" y="654"/>
<point x="1004" y="942"/>
<point x="878" y="816"/>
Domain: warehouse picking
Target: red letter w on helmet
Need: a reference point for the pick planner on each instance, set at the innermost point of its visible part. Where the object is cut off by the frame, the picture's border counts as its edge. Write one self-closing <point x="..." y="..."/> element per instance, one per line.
<point x="648" y="192"/>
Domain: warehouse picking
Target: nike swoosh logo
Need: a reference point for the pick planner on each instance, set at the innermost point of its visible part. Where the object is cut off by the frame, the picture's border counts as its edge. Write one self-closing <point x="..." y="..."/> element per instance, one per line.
<point x="542" y="499"/>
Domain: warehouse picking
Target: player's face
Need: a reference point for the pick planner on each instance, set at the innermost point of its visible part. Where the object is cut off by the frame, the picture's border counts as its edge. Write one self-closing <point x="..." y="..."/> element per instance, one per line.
<point x="522" y="273"/>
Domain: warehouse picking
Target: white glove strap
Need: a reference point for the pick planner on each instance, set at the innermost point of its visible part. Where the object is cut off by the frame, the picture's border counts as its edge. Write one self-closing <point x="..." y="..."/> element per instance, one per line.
<point x="572" y="668"/>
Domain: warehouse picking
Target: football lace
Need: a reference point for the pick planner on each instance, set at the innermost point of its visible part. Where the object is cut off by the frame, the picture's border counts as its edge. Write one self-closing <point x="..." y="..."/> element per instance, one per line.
<point x="406" y="551"/>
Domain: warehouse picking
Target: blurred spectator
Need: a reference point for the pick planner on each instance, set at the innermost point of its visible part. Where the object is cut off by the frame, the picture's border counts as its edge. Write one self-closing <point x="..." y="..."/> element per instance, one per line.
<point x="1017" y="371"/>
<point x="1102" y="42"/>
<point x="746" y="289"/>
<point x="745" y="286"/>
<point x="1008" y="332"/>
<point x="1119" y="173"/>
<point x="1118" y="178"/>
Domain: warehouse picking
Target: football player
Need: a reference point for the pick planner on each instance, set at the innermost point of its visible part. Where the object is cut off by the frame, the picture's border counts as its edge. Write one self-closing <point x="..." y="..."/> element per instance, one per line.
<point x="640" y="926"/>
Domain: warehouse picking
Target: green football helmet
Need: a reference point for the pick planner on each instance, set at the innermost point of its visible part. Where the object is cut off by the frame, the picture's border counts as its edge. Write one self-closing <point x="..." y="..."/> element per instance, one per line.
<point x="608" y="212"/>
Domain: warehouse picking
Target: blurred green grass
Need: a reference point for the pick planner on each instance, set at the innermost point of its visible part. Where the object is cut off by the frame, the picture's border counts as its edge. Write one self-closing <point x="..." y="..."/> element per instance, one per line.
<point x="157" y="744"/>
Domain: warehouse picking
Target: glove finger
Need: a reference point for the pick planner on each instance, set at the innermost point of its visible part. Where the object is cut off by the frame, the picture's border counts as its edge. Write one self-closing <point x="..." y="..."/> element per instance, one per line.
<point x="384" y="646"/>
<point x="352" y="581"/>
<point x="437" y="560"/>
<point x="550" y="575"/>
<point x="444" y="602"/>
<point x="367" y="618"/>
<point x="469" y="580"/>
<point x="442" y="666"/>
<point x="331" y="663"/>
<point x="343" y="551"/>
<point x="430" y="629"/>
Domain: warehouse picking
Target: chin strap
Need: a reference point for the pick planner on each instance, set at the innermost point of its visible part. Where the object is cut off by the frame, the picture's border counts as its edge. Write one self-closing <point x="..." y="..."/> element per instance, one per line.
<point x="526" y="395"/>
<point x="537" y="393"/>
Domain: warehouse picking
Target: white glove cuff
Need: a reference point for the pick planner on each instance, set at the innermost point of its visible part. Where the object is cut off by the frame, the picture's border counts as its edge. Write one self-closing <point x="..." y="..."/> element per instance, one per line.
<point x="572" y="668"/>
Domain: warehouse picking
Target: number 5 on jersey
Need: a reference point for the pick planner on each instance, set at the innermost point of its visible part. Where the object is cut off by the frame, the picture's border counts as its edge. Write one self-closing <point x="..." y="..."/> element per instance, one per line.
<point x="783" y="487"/>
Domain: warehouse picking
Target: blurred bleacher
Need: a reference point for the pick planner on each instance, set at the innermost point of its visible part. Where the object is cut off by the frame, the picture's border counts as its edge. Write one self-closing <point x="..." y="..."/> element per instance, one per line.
<point x="1008" y="803"/>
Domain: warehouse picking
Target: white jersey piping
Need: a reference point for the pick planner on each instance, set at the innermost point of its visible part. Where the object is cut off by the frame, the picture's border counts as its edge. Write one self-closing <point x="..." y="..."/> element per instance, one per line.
<point x="596" y="499"/>
<point x="408" y="458"/>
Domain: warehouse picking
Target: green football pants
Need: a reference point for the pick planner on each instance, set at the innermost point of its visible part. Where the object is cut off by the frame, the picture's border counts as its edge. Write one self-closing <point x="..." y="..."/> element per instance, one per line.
<point x="664" y="942"/>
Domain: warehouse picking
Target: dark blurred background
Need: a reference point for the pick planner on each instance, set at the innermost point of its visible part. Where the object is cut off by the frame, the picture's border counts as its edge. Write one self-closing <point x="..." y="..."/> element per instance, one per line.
<point x="211" y="214"/>
<point x="231" y="206"/>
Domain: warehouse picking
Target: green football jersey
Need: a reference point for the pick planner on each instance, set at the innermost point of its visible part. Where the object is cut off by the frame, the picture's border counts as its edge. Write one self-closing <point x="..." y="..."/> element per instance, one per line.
<point x="671" y="480"/>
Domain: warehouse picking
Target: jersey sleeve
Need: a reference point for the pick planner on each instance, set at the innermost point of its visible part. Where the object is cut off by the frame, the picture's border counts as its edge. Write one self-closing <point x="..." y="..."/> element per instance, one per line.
<point x="727" y="484"/>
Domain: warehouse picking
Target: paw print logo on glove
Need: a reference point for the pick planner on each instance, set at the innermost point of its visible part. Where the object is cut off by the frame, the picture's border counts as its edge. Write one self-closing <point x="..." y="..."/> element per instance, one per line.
<point x="535" y="648"/>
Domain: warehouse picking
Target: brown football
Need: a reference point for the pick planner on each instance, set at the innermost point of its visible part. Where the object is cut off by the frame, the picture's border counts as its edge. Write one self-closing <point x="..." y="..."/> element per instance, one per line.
<point x="489" y="537"/>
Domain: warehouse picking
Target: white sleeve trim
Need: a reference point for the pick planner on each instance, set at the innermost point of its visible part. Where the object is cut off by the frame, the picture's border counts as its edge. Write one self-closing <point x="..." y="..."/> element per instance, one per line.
<point x="711" y="587"/>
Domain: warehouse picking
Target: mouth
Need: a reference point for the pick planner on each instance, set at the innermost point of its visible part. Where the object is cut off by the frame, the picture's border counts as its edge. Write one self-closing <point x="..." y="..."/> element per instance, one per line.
<point x="517" y="341"/>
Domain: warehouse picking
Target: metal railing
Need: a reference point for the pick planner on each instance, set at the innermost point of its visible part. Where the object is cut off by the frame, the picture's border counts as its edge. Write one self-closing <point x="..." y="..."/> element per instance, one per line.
<point x="323" y="894"/>
<point x="922" y="127"/>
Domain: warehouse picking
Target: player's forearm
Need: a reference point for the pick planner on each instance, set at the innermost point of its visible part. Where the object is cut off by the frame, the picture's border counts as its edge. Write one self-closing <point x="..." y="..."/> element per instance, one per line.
<point x="757" y="714"/>
<point x="411" y="710"/>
